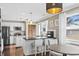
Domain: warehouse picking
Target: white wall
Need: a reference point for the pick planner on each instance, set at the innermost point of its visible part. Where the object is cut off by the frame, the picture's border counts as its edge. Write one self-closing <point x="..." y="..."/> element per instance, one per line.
<point x="72" y="12"/>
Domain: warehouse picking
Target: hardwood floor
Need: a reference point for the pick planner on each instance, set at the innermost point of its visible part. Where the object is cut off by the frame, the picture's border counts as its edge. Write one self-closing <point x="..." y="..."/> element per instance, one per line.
<point x="12" y="50"/>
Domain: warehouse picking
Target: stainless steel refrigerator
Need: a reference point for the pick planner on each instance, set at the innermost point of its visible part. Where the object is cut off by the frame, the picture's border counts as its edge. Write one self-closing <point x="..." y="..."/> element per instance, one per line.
<point x="6" y="35"/>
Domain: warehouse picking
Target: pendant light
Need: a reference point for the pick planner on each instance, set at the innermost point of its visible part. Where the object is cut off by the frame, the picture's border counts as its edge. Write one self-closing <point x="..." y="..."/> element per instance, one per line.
<point x="53" y="8"/>
<point x="30" y="21"/>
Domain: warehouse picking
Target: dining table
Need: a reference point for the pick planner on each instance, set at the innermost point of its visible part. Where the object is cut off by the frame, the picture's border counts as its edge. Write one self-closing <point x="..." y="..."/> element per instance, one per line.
<point x="65" y="49"/>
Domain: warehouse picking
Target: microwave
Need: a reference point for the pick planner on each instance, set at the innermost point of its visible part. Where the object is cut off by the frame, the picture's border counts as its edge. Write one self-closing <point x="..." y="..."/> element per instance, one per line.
<point x="50" y="34"/>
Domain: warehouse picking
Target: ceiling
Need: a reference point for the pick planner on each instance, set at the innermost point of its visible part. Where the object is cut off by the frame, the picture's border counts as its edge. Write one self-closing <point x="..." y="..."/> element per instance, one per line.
<point x="24" y="11"/>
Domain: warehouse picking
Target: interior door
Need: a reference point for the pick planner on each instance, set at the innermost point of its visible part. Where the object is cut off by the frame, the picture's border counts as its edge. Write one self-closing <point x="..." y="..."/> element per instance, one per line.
<point x="31" y="31"/>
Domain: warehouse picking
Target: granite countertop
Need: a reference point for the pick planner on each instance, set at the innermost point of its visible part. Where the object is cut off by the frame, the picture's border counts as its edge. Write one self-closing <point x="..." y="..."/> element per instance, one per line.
<point x="39" y="38"/>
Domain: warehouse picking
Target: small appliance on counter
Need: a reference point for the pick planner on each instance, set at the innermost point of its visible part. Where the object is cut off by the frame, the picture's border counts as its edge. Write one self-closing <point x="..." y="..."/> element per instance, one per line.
<point x="50" y="34"/>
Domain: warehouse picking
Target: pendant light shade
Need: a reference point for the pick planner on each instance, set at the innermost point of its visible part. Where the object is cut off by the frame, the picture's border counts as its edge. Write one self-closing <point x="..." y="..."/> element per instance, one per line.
<point x="30" y="22"/>
<point x="53" y="8"/>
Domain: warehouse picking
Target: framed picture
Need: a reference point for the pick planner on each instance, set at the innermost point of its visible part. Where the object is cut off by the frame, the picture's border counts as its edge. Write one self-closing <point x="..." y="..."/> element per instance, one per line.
<point x="73" y="20"/>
